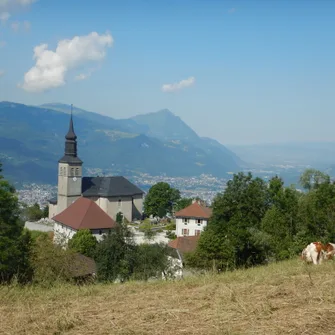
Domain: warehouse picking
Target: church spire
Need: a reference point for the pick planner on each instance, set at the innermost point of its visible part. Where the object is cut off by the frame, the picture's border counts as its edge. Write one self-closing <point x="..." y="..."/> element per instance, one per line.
<point x="70" y="154"/>
<point x="71" y="134"/>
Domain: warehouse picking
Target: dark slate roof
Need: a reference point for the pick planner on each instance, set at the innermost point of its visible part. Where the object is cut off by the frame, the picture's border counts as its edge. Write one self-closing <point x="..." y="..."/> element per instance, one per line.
<point x="109" y="187"/>
<point x="70" y="160"/>
<point x="53" y="201"/>
<point x="71" y="134"/>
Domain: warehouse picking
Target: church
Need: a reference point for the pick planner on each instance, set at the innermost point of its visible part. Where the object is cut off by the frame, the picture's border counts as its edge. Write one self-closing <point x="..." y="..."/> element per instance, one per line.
<point x="112" y="194"/>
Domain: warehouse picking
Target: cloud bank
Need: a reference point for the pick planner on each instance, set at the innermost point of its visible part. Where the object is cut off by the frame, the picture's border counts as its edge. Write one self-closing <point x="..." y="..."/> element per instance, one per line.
<point x="179" y="85"/>
<point x="52" y="67"/>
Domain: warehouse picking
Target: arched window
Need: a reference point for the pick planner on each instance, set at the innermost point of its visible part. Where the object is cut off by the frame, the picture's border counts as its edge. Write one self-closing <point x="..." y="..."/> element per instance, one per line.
<point x="60" y="171"/>
<point x="77" y="171"/>
<point x="72" y="171"/>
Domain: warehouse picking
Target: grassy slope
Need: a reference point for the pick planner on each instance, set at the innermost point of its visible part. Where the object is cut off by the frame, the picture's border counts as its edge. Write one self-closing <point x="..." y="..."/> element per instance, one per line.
<point x="284" y="298"/>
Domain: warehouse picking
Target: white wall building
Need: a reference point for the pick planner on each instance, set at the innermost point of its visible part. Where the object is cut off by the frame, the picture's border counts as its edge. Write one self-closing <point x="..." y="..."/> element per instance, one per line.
<point x="81" y="214"/>
<point x="192" y="220"/>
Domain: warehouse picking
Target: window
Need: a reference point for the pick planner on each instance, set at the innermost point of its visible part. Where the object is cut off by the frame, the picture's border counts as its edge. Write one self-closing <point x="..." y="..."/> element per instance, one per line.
<point x="77" y="171"/>
<point x="60" y="171"/>
<point x="185" y="232"/>
<point x="197" y="232"/>
<point x="119" y="202"/>
<point x="185" y="220"/>
<point x="100" y="232"/>
<point x="199" y="221"/>
<point x="64" y="171"/>
<point x="72" y="171"/>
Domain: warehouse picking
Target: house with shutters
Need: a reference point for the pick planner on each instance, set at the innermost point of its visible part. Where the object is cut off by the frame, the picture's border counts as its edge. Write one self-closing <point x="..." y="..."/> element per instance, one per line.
<point x="112" y="194"/>
<point x="192" y="220"/>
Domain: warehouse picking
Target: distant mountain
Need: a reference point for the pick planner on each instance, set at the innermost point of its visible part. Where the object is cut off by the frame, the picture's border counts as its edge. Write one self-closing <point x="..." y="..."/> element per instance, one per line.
<point x="317" y="154"/>
<point x="32" y="141"/>
<point x="166" y="126"/>
<point x="127" y="125"/>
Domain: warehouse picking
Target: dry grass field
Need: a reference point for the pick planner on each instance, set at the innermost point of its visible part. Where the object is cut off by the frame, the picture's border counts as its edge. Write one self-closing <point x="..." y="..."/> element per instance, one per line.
<point x="284" y="298"/>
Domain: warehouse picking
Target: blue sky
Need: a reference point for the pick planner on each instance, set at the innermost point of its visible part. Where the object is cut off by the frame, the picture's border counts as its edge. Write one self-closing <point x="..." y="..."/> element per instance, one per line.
<point x="252" y="71"/>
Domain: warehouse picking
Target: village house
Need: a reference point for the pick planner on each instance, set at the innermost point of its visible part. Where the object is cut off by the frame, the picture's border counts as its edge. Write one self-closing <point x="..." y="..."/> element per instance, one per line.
<point x="81" y="214"/>
<point x="192" y="220"/>
<point x="112" y="194"/>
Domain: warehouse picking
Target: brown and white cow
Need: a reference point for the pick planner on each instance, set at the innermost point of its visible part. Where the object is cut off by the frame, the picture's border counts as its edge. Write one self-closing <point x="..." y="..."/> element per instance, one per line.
<point x="330" y="250"/>
<point x="314" y="253"/>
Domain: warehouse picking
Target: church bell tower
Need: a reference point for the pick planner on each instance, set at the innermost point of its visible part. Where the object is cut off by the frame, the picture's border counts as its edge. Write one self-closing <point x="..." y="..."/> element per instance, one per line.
<point x="69" y="171"/>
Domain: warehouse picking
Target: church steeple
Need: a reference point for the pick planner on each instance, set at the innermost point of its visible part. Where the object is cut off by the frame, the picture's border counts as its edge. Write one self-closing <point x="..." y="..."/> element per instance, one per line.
<point x="70" y="154"/>
<point x="71" y="134"/>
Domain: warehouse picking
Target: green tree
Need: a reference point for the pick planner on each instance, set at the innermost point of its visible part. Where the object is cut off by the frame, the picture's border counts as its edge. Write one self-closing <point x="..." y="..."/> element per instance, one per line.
<point x="151" y="261"/>
<point x="280" y="223"/>
<point x="312" y="178"/>
<point x="15" y="244"/>
<point x="119" y="218"/>
<point x="115" y="255"/>
<point x="46" y="211"/>
<point x="229" y="240"/>
<point x="83" y="242"/>
<point x="51" y="263"/>
<point x="160" y="199"/>
<point x="182" y="203"/>
<point x="34" y="212"/>
<point x="317" y="213"/>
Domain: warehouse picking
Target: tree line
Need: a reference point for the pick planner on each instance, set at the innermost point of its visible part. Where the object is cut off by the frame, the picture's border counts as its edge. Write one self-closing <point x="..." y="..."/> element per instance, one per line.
<point x="253" y="222"/>
<point x="32" y="257"/>
<point x="256" y="222"/>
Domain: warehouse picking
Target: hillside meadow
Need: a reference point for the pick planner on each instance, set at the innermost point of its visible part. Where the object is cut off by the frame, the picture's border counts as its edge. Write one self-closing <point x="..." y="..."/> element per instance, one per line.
<point x="289" y="297"/>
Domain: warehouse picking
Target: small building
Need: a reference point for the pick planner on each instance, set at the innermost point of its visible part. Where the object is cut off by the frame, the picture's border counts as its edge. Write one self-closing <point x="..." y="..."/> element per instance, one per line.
<point x="81" y="214"/>
<point x="192" y="220"/>
<point x="184" y="244"/>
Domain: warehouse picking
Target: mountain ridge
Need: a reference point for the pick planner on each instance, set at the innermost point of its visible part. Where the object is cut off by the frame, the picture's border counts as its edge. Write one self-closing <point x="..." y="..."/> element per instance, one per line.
<point x="34" y="135"/>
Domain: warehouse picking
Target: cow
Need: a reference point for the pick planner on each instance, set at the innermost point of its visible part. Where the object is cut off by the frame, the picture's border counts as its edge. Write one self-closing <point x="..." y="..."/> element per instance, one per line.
<point x="314" y="253"/>
<point x="330" y="250"/>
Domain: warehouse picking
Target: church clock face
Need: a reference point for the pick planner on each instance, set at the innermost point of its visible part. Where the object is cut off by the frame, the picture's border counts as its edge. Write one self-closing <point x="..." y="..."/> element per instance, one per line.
<point x="74" y="178"/>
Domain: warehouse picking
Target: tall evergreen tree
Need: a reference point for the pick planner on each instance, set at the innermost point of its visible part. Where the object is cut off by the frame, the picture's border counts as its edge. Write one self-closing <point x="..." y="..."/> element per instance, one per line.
<point x="14" y="243"/>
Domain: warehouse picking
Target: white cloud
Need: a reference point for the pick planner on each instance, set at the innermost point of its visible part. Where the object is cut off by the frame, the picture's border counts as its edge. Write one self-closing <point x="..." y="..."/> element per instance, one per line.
<point x="52" y="66"/>
<point x="9" y="7"/>
<point x="15" y="26"/>
<point x="232" y="10"/>
<point x="4" y="16"/>
<point x="82" y="76"/>
<point x="179" y="85"/>
<point x="25" y="2"/>
<point x="26" y="25"/>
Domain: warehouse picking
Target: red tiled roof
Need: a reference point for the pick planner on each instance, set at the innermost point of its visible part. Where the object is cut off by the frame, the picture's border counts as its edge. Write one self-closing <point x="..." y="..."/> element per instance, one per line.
<point x="85" y="214"/>
<point x="184" y="243"/>
<point x="195" y="211"/>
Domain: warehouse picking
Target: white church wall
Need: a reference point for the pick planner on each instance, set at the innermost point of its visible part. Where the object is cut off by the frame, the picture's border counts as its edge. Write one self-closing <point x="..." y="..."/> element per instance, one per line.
<point x="120" y="204"/>
<point x="52" y="210"/>
<point x="62" y="233"/>
<point x="137" y="207"/>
